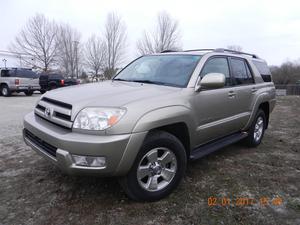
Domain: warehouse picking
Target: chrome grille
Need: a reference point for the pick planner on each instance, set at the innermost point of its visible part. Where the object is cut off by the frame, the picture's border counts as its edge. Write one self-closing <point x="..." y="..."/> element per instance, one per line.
<point x="55" y="111"/>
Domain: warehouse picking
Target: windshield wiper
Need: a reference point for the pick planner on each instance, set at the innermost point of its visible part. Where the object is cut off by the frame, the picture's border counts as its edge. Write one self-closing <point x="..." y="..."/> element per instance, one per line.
<point x="119" y="79"/>
<point x="148" y="82"/>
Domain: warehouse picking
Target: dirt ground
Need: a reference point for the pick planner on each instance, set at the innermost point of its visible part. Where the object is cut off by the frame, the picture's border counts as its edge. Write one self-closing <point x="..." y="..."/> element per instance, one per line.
<point x="33" y="191"/>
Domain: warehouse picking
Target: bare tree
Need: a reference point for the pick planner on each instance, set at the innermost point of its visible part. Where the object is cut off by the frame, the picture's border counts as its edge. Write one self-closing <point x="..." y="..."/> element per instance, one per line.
<point x="237" y="48"/>
<point x="115" y="40"/>
<point x="166" y="36"/>
<point x="287" y="73"/>
<point x="69" y="49"/>
<point x="95" y="55"/>
<point x="37" y="40"/>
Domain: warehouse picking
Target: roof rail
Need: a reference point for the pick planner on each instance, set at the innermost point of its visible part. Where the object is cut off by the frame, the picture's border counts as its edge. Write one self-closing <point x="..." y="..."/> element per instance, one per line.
<point x="167" y="50"/>
<point x="200" y="50"/>
<point x="223" y="50"/>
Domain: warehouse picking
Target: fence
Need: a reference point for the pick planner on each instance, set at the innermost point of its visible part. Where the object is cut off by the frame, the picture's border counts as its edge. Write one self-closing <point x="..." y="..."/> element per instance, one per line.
<point x="288" y="89"/>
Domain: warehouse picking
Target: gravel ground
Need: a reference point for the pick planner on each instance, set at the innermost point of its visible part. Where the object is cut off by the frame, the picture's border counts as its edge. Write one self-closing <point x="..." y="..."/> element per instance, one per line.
<point x="33" y="191"/>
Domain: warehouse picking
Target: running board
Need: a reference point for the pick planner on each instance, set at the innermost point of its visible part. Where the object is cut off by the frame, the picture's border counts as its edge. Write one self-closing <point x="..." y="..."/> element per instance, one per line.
<point x="210" y="147"/>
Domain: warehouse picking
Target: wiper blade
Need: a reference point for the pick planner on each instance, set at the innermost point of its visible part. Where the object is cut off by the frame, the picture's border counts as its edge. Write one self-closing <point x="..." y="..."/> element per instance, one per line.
<point x="119" y="79"/>
<point x="148" y="82"/>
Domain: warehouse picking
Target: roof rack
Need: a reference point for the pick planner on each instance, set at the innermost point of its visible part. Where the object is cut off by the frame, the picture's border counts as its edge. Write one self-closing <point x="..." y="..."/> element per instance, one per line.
<point x="167" y="50"/>
<point x="222" y="50"/>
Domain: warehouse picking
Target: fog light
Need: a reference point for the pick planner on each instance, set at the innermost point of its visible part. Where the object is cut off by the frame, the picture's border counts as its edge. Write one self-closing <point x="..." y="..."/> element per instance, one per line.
<point x="89" y="161"/>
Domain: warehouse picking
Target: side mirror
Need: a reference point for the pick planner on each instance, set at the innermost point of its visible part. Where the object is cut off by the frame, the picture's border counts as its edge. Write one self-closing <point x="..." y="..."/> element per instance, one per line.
<point x="210" y="81"/>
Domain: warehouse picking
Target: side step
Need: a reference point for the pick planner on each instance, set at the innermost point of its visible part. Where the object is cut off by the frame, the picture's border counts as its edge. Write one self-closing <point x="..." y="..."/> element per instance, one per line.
<point x="210" y="147"/>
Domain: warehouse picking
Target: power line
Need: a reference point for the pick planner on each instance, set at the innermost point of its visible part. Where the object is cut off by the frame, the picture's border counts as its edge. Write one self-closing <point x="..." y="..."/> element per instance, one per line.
<point x="16" y="54"/>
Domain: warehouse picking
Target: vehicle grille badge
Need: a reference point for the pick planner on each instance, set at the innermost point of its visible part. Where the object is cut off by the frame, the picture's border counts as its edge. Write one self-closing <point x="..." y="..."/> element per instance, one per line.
<point x="48" y="112"/>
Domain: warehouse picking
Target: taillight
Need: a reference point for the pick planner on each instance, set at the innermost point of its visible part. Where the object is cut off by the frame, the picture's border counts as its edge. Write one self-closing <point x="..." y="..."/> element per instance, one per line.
<point x="62" y="82"/>
<point x="17" y="81"/>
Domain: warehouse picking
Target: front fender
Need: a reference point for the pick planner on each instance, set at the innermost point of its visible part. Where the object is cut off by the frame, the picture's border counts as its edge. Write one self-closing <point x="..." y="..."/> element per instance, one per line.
<point x="165" y="116"/>
<point x="151" y="120"/>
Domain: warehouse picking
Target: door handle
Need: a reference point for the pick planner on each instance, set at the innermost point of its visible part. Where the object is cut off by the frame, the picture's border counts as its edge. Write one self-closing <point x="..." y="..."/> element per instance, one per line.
<point x="231" y="94"/>
<point x="253" y="90"/>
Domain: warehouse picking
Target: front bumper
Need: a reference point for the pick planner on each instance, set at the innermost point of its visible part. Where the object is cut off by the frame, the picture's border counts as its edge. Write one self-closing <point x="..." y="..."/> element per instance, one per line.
<point x="119" y="150"/>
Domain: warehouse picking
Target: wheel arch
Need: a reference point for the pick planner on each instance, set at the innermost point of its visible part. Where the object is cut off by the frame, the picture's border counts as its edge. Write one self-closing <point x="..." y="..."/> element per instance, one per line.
<point x="265" y="106"/>
<point x="180" y="130"/>
<point x="262" y="102"/>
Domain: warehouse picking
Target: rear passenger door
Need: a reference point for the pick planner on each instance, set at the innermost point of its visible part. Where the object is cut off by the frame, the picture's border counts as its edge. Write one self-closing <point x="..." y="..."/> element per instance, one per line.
<point x="244" y="88"/>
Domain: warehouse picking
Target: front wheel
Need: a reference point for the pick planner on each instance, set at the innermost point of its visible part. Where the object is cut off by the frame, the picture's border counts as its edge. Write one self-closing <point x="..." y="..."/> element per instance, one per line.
<point x="257" y="129"/>
<point x="158" y="168"/>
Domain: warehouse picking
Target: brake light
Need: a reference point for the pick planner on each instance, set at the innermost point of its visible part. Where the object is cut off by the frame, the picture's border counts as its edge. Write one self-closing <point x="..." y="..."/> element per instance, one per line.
<point x="17" y="81"/>
<point x="62" y="82"/>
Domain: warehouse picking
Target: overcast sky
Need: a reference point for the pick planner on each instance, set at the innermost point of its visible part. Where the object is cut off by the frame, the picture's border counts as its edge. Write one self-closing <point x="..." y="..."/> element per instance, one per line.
<point x="270" y="29"/>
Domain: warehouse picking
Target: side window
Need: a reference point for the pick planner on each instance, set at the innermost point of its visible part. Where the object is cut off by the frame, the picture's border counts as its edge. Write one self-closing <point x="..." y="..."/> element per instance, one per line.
<point x="5" y="73"/>
<point x="240" y="71"/>
<point x="217" y="65"/>
<point x="26" y="73"/>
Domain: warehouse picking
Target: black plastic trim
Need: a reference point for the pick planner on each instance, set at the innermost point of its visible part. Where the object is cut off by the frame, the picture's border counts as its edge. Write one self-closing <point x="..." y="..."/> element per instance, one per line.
<point x="213" y="146"/>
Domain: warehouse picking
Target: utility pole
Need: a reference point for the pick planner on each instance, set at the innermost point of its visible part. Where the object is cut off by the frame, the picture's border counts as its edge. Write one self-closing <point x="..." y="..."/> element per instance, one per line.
<point x="4" y="60"/>
<point x="76" y="57"/>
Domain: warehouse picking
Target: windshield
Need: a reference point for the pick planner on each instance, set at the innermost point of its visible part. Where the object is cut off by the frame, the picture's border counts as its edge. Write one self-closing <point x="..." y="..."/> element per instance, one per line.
<point x="171" y="70"/>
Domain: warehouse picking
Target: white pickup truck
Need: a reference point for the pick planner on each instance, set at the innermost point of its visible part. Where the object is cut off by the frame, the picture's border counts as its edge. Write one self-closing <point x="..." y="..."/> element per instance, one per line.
<point x="18" y="80"/>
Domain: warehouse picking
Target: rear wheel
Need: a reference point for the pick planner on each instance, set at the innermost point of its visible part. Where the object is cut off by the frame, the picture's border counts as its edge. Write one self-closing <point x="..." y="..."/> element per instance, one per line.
<point x="52" y="86"/>
<point x="158" y="168"/>
<point x="257" y="129"/>
<point x="5" y="91"/>
<point x="28" y="93"/>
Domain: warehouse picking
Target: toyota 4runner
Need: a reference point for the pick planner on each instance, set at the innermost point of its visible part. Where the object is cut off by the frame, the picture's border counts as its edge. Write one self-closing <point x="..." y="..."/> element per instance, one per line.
<point x="155" y="115"/>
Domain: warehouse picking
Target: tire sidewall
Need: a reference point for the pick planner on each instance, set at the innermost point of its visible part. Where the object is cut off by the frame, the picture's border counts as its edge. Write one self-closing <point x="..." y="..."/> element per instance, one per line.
<point x="8" y="91"/>
<point x="29" y="93"/>
<point x="177" y="148"/>
<point x="261" y="114"/>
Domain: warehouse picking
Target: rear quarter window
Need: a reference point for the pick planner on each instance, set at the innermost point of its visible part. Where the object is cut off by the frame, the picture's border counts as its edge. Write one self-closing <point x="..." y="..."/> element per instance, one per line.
<point x="8" y="73"/>
<point x="264" y="70"/>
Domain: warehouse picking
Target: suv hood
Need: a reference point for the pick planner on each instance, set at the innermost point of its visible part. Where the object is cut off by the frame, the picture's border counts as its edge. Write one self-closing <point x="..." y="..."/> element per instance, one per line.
<point x="108" y="93"/>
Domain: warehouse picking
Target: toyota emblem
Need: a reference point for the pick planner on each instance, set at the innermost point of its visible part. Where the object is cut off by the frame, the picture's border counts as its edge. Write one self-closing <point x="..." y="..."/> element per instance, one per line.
<point x="47" y="112"/>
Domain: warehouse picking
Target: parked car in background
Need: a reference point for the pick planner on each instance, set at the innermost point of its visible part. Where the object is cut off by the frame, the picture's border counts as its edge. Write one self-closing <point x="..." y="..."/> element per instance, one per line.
<point x="55" y="80"/>
<point x="18" y="80"/>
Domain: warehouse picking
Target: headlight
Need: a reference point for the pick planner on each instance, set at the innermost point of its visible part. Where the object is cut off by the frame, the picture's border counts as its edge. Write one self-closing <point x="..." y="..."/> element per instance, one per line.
<point x="98" y="118"/>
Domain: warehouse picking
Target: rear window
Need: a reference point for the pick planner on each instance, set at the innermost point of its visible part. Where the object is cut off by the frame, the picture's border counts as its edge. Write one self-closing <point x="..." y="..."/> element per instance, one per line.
<point x="56" y="76"/>
<point x="26" y="74"/>
<point x="264" y="70"/>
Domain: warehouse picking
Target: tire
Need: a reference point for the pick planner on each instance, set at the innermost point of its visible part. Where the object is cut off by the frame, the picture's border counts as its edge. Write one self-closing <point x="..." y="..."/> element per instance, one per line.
<point x="52" y="87"/>
<point x="257" y="129"/>
<point x="43" y="91"/>
<point x="147" y="169"/>
<point x="28" y="93"/>
<point x="5" y="91"/>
